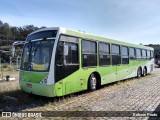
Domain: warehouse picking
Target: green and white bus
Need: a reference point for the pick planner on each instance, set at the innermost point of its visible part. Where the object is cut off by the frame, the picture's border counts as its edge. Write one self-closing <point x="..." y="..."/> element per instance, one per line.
<point x="58" y="61"/>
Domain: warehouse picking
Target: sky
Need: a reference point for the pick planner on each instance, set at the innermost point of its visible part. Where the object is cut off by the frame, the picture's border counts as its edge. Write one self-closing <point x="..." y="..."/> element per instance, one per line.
<point x="133" y="21"/>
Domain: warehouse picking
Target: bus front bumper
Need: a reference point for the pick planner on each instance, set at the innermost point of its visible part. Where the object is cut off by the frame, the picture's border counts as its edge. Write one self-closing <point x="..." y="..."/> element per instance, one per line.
<point x="37" y="88"/>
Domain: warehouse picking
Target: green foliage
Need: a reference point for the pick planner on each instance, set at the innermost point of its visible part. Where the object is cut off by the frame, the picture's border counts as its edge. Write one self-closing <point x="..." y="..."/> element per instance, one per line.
<point x="5" y="66"/>
<point x="14" y="33"/>
<point x="10" y="34"/>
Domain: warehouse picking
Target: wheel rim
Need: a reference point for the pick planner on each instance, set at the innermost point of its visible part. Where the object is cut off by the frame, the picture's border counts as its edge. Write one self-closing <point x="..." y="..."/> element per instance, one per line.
<point x="93" y="82"/>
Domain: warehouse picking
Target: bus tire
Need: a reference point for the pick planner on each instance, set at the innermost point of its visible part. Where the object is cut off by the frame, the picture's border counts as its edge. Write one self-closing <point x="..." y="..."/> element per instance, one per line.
<point x="139" y="72"/>
<point x="144" y="71"/>
<point x="92" y="85"/>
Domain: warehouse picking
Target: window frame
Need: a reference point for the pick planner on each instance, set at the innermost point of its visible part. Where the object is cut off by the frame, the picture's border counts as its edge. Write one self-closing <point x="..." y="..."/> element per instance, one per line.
<point x="148" y="56"/>
<point x="144" y="57"/>
<point x="124" y="55"/>
<point x="106" y="54"/>
<point x="120" y="62"/>
<point x="76" y="41"/>
<point x="78" y="62"/>
<point x="140" y="54"/>
<point x="87" y="53"/>
<point x="152" y="54"/>
<point x="134" y="57"/>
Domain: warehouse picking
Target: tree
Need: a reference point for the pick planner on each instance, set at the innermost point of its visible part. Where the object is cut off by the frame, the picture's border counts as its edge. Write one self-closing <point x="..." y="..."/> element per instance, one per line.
<point x="14" y="33"/>
<point x="28" y="29"/>
<point x="1" y="24"/>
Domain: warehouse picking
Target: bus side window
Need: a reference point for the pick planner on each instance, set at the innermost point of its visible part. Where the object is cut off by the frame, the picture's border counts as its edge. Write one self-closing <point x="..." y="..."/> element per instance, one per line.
<point x="89" y="53"/>
<point x="138" y="54"/>
<point x="148" y="54"/>
<point x="152" y="54"/>
<point x="71" y="53"/>
<point x="125" y="56"/>
<point x="116" y="57"/>
<point x="132" y="53"/>
<point x="104" y="54"/>
<point x="144" y="54"/>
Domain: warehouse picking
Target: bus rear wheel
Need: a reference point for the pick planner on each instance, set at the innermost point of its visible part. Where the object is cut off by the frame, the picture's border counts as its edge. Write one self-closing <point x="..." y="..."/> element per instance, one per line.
<point x="92" y="82"/>
<point x="144" y="72"/>
<point x="139" y="73"/>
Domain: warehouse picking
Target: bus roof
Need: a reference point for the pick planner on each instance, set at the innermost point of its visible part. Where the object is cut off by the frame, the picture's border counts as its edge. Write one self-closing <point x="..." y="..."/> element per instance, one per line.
<point x="88" y="36"/>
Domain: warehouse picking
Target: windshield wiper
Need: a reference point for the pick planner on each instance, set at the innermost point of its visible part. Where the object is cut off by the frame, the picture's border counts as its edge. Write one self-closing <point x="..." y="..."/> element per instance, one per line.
<point x="35" y="50"/>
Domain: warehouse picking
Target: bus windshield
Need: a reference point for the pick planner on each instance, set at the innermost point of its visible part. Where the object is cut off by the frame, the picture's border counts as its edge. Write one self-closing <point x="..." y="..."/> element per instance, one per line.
<point x="37" y="55"/>
<point x="37" y="51"/>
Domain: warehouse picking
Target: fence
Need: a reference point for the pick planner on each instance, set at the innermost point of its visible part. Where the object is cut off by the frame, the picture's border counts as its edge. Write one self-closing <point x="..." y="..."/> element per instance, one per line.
<point x="9" y="69"/>
<point x="10" y="59"/>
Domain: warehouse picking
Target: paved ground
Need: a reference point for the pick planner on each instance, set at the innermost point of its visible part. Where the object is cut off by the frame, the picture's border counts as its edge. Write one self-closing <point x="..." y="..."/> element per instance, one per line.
<point x="130" y="95"/>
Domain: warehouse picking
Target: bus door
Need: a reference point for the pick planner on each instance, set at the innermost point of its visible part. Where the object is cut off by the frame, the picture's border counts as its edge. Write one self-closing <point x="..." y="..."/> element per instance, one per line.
<point x="67" y="63"/>
<point x="59" y="62"/>
<point x="71" y="63"/>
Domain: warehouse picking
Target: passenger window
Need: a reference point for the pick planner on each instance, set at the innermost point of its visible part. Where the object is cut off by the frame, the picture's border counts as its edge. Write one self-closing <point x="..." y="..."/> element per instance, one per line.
<point x="144" y="54"/>
<point x="148" y="54"/>
<point x="89" y="53"/>
<point x="71" y="53"/>
<point x="138" y="54"/>
<point x="104" y="54"/>
<point x="125" y="56"/>
<point x="116" y="58"/>
<point x="152" y="54"/>
<point x="132" y="53"/>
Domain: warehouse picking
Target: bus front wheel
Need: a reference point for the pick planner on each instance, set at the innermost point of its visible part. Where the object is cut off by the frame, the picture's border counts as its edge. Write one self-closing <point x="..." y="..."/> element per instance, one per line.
<point x="92" y="82"/>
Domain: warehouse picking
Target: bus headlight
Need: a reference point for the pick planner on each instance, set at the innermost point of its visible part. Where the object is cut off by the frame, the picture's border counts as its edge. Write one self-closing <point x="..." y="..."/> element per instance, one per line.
<point x="44" y="81"/>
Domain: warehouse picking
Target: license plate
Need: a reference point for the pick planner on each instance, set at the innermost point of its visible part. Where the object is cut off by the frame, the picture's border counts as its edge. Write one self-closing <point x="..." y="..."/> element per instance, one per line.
<point x="29" y="85"/>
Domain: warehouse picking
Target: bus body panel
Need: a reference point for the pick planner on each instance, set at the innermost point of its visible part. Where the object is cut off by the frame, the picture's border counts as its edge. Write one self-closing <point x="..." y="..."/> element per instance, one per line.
<point x="35" y="77"/>
<point x="37" y="88"/>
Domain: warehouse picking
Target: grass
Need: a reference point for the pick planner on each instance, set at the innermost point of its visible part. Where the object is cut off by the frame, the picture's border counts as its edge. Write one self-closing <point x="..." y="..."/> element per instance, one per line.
<point x="24" y="100"/>
<point x="8" y="70"/>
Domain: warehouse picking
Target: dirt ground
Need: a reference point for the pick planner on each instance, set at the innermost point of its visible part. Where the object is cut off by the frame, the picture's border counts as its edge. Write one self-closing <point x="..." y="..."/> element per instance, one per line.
<point x="12" y="74"/>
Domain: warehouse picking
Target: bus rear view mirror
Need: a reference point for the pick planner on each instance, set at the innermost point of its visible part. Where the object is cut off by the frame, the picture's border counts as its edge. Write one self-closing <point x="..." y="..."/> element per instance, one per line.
<point x="15" y="45"/>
